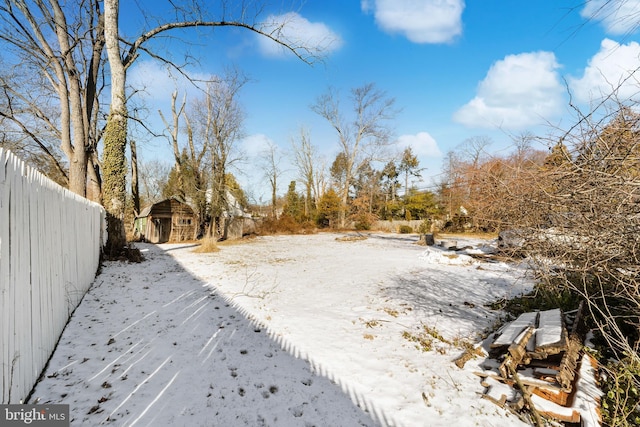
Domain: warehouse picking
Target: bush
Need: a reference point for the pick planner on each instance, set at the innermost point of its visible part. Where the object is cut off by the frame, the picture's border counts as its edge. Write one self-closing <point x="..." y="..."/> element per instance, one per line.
<point x="425" y="227"/>
<point x="621" y="394"/>
<point x="363" y="220"/>
<point x="405" y="229"/>
<point x="286" y="224"/>
<point x="362" y="226"/>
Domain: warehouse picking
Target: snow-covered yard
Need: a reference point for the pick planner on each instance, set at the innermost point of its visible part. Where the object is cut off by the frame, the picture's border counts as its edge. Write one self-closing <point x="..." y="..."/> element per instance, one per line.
<point x="311" y="330"/>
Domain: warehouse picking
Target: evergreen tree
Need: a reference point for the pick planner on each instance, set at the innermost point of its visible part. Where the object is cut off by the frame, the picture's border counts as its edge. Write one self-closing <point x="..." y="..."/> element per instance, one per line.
<point x="329" y="207"/>
<point x="409" y="167"/>
<point x="294" y="203"/>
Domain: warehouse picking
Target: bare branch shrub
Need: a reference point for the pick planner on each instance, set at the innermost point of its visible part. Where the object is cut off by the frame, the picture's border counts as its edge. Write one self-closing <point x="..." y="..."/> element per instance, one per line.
<point x="581" y="228"/>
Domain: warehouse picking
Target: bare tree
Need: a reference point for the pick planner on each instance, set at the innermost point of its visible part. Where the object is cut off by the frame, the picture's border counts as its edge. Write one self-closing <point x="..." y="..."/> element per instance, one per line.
<point x="190" y="167"/>
<point x="218" y="120"/>
<point x="361" y="135"/>
<point x="153" y="177"/>
<point x="62" y="44"/>
<point x="27" y="137"/>
<point x="271" y="160"/>
<point x="306" y="161"/>
<point x="173" y="129"/>
<point x="195" y="187"/>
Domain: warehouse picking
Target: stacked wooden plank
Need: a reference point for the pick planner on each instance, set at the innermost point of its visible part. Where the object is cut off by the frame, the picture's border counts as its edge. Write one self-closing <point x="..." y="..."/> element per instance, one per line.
<point x="538" y="357"/>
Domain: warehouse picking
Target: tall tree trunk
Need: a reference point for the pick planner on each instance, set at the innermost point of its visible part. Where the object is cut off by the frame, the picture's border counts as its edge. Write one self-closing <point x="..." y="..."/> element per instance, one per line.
<point x="307" y="201"/>
<point x="174" y="129"/>
<point x="115" y="137"/>
<point x="344" y="208"/>
<point x="94" y="184"/>
<point x="274" y="197"/>
<point x="135" y="186"/>
<point x="78" y="171"/>
<point x="74" y="143"/>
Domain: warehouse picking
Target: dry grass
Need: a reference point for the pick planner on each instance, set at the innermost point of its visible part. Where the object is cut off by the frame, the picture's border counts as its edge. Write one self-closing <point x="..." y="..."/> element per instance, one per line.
<point x="351" y="238"/>
<point x="208" y="245"/>
<point x="233" y="242"/>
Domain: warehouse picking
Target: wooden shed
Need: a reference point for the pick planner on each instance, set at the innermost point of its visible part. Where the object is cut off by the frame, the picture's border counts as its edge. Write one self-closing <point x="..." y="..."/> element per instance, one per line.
<point x="167" y="221"/>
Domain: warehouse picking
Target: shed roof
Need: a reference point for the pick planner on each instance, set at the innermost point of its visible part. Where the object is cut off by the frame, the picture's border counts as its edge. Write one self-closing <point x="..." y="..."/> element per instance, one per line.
<point x="147" y="210"/>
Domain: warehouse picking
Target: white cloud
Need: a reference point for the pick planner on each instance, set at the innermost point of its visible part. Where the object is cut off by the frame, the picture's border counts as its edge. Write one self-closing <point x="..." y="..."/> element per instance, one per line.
<point x="315" y="37"/>
<point x="425" y="21"/>
<point x="422" y="144"/>
<point x="518" y="91"/>
<point x="152" y="79"/>
<point x="255" y="145"/>
<point x="610" y="70"/>
<point x="617" y="16"/>
<point x="156" y="82"/>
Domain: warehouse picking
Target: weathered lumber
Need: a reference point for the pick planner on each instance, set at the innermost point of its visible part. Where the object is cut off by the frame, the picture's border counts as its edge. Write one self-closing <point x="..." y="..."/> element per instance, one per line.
<point x="467" y="355"/>
<point x="555" y="411"/>
<point x="552" y="388"/>
<point x="551" y="334"/>
<point x="514" y="329"/>
<point x="517" y="350"/>
<point x="526" y="396"/>
<point x="559" y="397"/>
<point x="500" y="402"/>
<point x="569" y="362"/>
<point x="550" y="328"/>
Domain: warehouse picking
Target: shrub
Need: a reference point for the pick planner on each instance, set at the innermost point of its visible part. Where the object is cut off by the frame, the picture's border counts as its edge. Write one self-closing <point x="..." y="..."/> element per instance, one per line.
<point x="362" y="226"/>
<point x="621" y="394"/>
<point x="286" y="224"/>
<point x="425" y="227"/>
<point x="363" y="221"/>
<point x="208" y="245"/>
<point x="405" y="229"/>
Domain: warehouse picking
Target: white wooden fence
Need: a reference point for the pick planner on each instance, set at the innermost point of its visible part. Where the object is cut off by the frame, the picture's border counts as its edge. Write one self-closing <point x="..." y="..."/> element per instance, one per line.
<point x="50" y="242"/>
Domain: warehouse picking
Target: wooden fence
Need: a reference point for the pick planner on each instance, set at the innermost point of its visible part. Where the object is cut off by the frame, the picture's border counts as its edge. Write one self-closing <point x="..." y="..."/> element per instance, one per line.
<point x="50" y="243"/>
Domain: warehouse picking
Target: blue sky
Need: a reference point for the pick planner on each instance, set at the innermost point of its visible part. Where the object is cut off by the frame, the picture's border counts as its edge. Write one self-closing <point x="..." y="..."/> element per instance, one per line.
<point x="457" y="70"/>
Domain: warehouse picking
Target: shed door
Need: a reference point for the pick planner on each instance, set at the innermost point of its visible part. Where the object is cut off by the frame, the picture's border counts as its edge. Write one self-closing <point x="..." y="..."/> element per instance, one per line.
<point x="164" y="230"/>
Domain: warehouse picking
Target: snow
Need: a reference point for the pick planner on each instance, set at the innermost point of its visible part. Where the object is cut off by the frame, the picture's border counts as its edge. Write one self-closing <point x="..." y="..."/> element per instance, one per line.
<point x="549" y="330"/>
<point x="514" y="331"/>
<point x="282" y="331"/>
<point x="588" y="393"/>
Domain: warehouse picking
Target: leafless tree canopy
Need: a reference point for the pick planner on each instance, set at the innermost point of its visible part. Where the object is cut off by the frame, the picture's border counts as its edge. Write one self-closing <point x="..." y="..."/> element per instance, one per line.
<point x="363" y="131"/>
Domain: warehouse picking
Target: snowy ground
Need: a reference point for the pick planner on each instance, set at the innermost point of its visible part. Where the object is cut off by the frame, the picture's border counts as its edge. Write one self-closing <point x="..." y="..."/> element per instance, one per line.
<point x="281" y="331"/>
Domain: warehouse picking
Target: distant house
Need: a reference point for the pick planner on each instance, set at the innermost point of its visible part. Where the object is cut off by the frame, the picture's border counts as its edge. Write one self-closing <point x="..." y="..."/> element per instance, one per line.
<point x="167" y="221"/>
<point x="234" y="222"/>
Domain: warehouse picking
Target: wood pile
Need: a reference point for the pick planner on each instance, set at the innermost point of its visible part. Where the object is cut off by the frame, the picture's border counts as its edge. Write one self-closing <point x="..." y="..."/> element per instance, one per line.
<point x="537" y="361"/>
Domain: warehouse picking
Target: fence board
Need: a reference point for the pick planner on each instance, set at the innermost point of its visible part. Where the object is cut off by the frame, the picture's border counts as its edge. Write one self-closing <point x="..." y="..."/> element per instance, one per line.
<point x="50" y="243"/>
